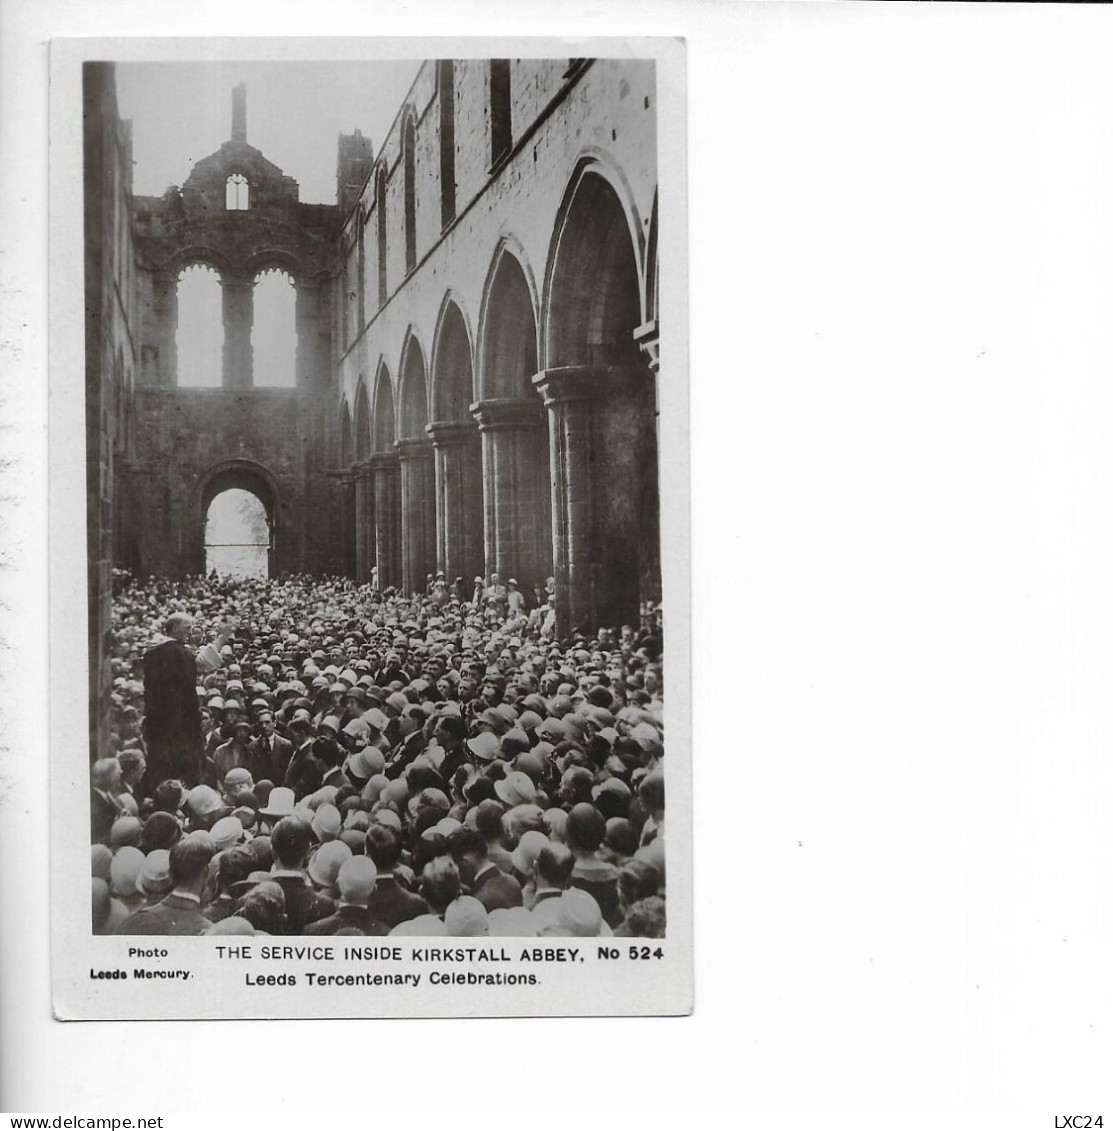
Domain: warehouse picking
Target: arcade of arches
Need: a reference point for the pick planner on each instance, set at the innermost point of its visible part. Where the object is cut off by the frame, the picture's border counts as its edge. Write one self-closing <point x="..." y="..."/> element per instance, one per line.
<point x="452" y="368"/>
<point x="481" y="461"/>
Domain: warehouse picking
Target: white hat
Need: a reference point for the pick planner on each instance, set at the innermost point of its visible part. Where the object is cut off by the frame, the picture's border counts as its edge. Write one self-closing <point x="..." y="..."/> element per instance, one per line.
<point x="280" y="803"/>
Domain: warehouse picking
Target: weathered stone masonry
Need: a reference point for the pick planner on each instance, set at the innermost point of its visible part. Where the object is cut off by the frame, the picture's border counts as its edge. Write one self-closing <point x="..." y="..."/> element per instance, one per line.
<point x="476" y="343"/>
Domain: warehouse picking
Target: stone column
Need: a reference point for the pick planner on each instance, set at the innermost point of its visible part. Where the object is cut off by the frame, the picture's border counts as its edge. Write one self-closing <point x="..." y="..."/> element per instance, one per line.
<point x="648" y="337"/>
<point x="386" y="480"/>
<point x="517" y="516"/>
<point x="459" y="491"/>
<point x="419" y="513"/>
<point x="238" y="307"/>
<point x="604" y="486"/>
<point x="345" y="495"/>
<point x="165" y="309"/>
<point x="363" y="506"/>
<point x="306" y="298"/>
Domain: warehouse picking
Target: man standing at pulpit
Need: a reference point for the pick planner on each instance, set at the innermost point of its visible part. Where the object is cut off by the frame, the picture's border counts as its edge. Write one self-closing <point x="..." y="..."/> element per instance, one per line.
<point x="172" y="715"/>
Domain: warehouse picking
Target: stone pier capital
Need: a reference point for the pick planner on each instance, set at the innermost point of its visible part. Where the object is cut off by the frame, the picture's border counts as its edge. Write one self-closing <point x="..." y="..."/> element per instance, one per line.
<point x="445" y="433"/>
<point x="507" y="412"/>
<point x="234" y="277"/>
<point x="382" y="461"/>
<point x="567" y="383"/>
<point x="414" y="449"/>
<point x="648" y="337"/>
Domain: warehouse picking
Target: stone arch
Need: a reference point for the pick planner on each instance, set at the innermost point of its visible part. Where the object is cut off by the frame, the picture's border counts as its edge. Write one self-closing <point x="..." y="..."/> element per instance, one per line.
<point x="415" y="455"/>
<point x="458" y="468"/>
<point x="361" y="426"/>
<point x="452" y="380"/>
<point x="384" y="426"/>
<point x="344" y="435"/>
<point x="409" y="184"/>
<point x="385" y="485"/>
<point x="237" y="535"/>
<point x="199" y="255"/>
<point x="199" y="327"/>
<point x="446" y="104"/>
<point x="346" y="494"/>
<point x="276" y="258"/>
<point x="380" y="229"/>
<point x="517" y="526"/>
<point x="600" y="395"/>
<point x="652" y="268"/>
<point x="237" y="192"/>
<point x="594" y="285"/>
<point x="246" y="475"/>
<point x="507" y="352"/>
<point x="501" y="108"/>
<point x="413" y="400"/>
<point x="363" y="536"/>
<point x="274" y="327"/>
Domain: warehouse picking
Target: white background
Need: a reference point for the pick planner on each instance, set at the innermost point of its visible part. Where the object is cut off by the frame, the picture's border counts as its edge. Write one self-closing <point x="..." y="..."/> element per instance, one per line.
<point x="902" y="405"/>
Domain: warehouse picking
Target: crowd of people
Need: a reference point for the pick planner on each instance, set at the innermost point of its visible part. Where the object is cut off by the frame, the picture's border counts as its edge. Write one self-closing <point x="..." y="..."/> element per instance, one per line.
<point x="307" y="756"/>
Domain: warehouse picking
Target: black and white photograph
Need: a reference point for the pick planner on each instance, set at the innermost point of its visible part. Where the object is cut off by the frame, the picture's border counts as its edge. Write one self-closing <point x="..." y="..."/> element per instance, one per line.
<point x="426" y="425"/>
<point x="374" y="511"/>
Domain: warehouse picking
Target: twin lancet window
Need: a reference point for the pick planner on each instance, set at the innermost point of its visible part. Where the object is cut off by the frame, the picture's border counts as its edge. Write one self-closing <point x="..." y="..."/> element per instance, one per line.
<point x="271" y="316"/>
<point x="235" y="193"/>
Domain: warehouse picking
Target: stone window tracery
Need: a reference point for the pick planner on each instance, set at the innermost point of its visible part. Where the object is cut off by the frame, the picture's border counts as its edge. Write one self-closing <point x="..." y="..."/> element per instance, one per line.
<point x="274" y="338"/>
<point x="236" y="193"/>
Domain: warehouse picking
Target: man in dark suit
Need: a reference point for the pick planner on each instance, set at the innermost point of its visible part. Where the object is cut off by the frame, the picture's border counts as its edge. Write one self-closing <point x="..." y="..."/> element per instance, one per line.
<point x="305" y="771"/>
<point x="450" y="733"/>
<point x="552" y="871"/>
<point x="105" y="804"/>
<point x="270" y="752"/>
<point x="389" y="903"/>
<point x="172" y="718"/>
<point x="410" y="742"/>
<point x="585" y="830"/>
<point x="356" y="881"/>
<point x="180" y="912"/>
<point x="489" y="883"/>
<point x="290" y="842"/>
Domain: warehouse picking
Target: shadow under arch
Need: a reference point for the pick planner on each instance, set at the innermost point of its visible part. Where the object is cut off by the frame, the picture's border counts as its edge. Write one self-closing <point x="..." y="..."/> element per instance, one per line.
<point x="601" y="395"/>
<point x="513" y="425"/>
<point x="413" y="392"/>
<point x="595" y="276"/>
<point x="452" y="367"/>
<point x="652" y="268"/>
<point x="199" y="255"/>
<point x="384" y="424"/>
<point x="361" y="422"/>
<point x="245" y="474"/>
<point x="344" y="434"/>
<point x="508" y="344"/>
<point x="276" y="259"/>
<point x="457" y="443"/>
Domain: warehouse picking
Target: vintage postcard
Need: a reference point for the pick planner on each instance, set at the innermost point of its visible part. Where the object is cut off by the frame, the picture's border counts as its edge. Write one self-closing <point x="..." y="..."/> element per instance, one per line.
<point x="369" y="521"/>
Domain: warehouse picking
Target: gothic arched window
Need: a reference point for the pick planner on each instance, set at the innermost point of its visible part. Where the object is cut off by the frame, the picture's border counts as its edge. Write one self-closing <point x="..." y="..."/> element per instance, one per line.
<point x="501" y="134"/>
<point x="200" y="337"/>
<point x="274" y="336"/>
<point x="235" y="193"/>
<point x="410" y="193"/>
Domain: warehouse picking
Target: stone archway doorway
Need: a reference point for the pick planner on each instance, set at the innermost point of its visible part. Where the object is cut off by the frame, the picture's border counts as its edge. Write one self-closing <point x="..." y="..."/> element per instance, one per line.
<point x="238" y="516"/>
<point x="237" y="535"/>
